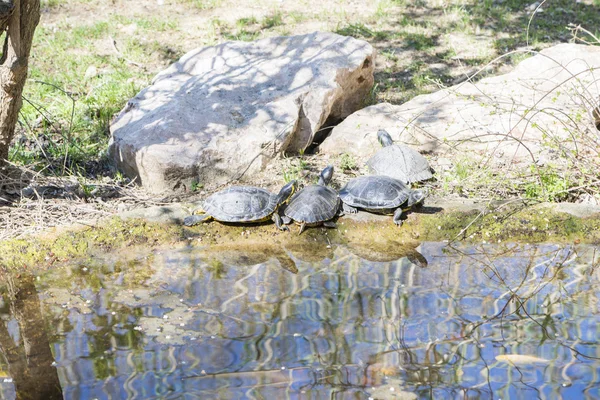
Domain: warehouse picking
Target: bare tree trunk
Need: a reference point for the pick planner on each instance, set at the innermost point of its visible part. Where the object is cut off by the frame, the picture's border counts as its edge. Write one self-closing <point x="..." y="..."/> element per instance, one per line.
<point x="21" y="17"/>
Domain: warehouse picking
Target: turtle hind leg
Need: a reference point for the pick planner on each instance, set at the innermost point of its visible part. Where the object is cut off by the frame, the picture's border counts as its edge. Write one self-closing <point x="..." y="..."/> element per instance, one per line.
<point x="329" y="224"/>
<point x="196" y="219"/>
<point x="398" y="216"/>
<point x="349" y="209"/>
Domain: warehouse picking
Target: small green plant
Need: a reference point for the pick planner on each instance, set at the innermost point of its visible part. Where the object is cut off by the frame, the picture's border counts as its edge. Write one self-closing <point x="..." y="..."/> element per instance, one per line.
<point x="86" y="189"/>
<point x="550" y="186"/>
<point x="272" y="20"/>
<point x="348" y="162"/>
<point x="196" y="186"/>
<point x="297" y="17"/>
<point x="294" y="170"/>
<point x="247" y="21"/>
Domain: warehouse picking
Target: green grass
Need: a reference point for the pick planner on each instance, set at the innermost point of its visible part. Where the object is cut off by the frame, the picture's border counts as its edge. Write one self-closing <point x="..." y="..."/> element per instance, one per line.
<point x="419" y="41"/>
<point x="65" y="118"/>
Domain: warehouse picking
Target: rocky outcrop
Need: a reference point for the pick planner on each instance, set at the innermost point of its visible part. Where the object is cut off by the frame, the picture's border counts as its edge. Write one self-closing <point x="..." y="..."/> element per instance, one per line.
<point x="541" y="111"/>
<point x="223" y="112"/>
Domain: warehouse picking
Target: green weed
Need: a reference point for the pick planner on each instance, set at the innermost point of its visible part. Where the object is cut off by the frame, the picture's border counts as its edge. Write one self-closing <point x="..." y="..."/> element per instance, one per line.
<point x="549" y="185"/>
<point x="348" y="162"/>
<point x="272" y="20"/>
<point x="294" y="171"/>
<point x="196" y="186"/>
<point x="247" y="21"/>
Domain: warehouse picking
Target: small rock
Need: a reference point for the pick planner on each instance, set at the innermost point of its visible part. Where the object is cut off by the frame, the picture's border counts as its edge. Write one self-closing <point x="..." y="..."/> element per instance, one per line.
<point x="90" y="72"/>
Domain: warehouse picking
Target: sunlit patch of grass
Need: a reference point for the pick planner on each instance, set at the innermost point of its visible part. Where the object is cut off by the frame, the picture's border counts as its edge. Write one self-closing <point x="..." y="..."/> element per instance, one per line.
<point x="152" y="23"/>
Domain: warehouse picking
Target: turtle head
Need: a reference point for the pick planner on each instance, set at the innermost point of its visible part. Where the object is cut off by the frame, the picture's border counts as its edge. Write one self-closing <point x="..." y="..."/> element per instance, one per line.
<point x="287" y="191"/>
<point x="416" y="197"/>
<point x="325" y="176"/>
<point x="384" y="138"/>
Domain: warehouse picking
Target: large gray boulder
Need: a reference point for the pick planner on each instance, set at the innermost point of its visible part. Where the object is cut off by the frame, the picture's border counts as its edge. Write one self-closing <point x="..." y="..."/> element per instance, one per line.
<point x="540" y="111"/>
<point x="221" y="113"/>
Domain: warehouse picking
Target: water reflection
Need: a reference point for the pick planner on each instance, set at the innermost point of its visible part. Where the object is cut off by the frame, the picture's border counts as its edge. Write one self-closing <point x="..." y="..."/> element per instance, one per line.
<point x="26" y="370"/>
<point x="502" y="321"/>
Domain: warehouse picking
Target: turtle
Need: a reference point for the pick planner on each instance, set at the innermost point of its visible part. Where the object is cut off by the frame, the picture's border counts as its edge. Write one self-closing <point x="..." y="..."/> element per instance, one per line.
<point x="243" y="204"/>
<point x="379" y="194"/>
<point x="398" y="161"/>
<point x="314" y="205"/>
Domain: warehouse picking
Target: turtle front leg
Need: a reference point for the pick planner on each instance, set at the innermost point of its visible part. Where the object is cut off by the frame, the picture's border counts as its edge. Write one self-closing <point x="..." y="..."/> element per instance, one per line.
<point x="349" y="209"/>
<point x="196" y="219"/>
<point x="278" y="222"/>
<point x="397" y="216"/>
<point x="302" y="227"/>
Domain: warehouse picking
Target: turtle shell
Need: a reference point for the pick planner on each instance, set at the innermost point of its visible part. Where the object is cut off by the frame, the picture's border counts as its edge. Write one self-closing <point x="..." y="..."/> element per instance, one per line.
<point x="401" y="162"/>
<point x="375" y="192"/>
<point x="241" y="204"/>
<point x="314" y="203"/>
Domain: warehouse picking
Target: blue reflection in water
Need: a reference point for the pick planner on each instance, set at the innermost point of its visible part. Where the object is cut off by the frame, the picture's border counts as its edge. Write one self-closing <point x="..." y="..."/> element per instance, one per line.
<point x="344" y="327"/>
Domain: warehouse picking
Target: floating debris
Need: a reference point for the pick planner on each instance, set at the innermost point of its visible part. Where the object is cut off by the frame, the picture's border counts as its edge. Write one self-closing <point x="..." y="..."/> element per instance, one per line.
<point x="521" y="359"/>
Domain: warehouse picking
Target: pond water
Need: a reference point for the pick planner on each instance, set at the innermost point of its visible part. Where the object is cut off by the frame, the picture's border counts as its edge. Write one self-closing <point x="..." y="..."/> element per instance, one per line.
<point x="473" y="321"/>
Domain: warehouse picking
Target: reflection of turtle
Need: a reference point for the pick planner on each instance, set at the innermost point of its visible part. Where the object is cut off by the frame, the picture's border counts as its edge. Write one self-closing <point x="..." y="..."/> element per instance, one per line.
<point x="313" y="252"/>
<point x="400" y="162"/>
<point x="315" y="204"/>
<point x="386" y="251"/>
<point x="248" y="255"/>
<point x="243" y="204"/>
<point x="379" y="194"/>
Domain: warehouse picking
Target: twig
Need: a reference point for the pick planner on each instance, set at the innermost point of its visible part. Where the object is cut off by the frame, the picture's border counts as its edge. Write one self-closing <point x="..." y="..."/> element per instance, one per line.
<point x="120" y="55"/>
